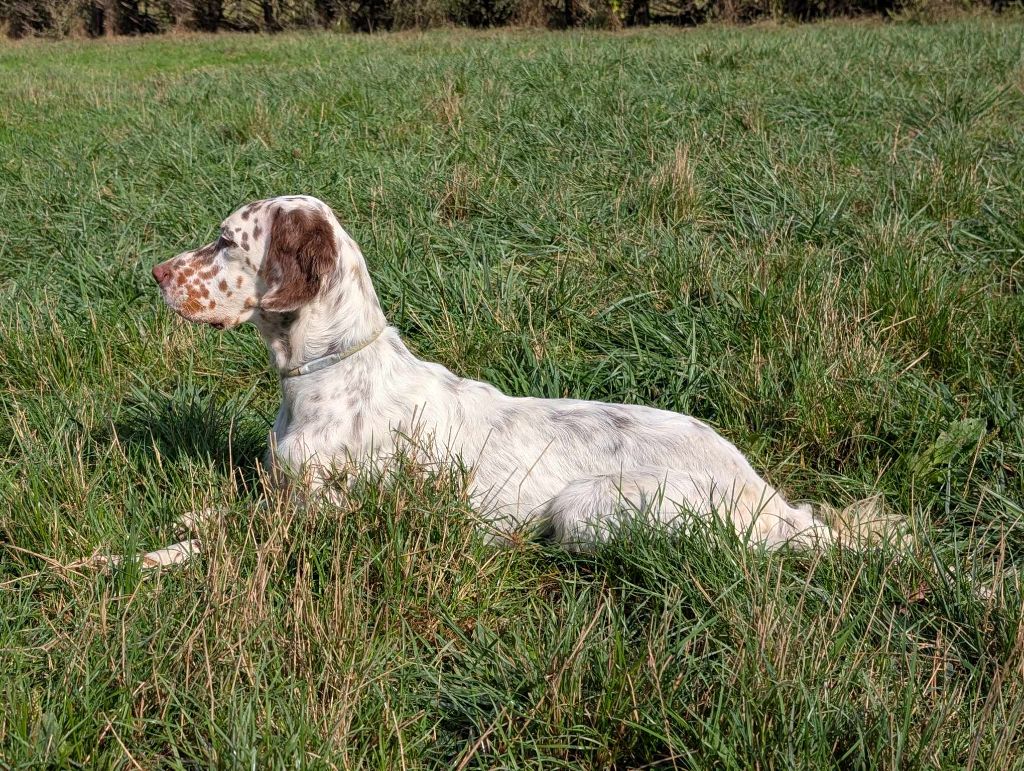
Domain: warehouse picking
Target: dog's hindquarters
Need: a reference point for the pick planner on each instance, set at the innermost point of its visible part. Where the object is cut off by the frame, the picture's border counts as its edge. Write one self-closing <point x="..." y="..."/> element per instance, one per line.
<point x="589" y="510"/>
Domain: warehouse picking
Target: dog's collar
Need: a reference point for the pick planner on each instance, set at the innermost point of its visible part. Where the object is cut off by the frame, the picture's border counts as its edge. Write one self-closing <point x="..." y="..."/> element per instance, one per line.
<point x="330" y="359"/>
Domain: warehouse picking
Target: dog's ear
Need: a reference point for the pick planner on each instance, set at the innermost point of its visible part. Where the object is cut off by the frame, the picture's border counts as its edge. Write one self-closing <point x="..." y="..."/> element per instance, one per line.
<point x="301" y="254"/>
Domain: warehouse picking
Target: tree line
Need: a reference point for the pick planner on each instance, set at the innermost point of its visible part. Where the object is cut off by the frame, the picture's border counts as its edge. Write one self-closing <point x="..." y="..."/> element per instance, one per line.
<point x="61" y="18"/>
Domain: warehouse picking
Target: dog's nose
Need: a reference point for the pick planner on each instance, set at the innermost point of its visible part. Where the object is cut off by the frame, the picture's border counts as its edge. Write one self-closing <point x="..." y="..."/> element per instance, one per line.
<point x="161" y="273"/>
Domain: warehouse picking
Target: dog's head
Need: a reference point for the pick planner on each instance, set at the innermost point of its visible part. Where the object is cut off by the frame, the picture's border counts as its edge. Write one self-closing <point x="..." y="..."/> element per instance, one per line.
<point x="273" y="256"/>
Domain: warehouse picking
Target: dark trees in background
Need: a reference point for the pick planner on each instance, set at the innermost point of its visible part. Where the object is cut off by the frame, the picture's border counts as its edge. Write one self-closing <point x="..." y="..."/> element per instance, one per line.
<point x="327" y="12"/>
<point x="125" y="18"/>
<point x="95" y="18"/>
<point x="208" y="15"/>
<point x="638" y="13"/>
<point x="59" y="18"/>
<point x="25" y="17"/>
<point x="269" y="19"/>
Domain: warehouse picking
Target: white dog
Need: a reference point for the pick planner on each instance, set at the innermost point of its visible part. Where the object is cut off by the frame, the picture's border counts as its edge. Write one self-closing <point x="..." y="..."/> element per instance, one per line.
<point x="352" y="391"/>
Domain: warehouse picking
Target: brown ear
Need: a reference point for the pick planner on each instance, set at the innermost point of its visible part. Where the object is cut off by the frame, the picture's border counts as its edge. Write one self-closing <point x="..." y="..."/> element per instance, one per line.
<point x="300" y="256"/>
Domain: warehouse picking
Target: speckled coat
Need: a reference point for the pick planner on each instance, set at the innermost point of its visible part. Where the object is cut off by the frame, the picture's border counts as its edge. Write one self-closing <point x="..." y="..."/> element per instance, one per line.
<point x="571" y="468"/>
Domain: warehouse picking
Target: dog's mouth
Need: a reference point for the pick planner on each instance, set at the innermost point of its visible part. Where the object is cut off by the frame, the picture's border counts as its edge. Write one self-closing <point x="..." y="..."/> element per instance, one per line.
<point x="187" y="314"/>
<point x="220" y="326"/>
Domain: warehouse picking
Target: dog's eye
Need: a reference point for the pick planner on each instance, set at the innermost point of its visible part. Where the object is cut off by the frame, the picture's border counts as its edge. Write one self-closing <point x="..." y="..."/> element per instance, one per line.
<point x="223" y="242"/>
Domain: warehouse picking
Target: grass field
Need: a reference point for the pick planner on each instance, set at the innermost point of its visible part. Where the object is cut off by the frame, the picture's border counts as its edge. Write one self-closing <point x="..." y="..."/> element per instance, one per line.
<point x="811" y="237"/>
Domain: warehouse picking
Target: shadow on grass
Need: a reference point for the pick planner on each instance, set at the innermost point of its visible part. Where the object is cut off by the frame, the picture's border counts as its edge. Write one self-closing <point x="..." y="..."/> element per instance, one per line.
<point x="193" y="425"/>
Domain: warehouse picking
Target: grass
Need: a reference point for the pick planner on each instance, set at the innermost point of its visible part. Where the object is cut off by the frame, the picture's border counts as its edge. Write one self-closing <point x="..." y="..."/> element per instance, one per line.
<point x="811" y="237"/>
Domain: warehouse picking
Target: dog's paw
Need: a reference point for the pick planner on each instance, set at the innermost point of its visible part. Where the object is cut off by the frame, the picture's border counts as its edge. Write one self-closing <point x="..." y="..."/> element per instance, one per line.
<point x="175" y="554"/>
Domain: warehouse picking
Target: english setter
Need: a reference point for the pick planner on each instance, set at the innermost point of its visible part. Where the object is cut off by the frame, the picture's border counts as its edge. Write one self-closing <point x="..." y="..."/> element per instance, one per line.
<point x="352" y="391"/>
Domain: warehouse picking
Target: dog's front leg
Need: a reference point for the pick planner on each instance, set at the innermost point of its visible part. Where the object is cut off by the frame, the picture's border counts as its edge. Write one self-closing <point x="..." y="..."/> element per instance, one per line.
<point x="191" y="522"/>
<point x="175" y="554"/>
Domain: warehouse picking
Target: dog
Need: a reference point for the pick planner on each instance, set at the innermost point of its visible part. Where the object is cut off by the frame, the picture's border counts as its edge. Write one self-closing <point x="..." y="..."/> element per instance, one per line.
<point x="352" y="391"/>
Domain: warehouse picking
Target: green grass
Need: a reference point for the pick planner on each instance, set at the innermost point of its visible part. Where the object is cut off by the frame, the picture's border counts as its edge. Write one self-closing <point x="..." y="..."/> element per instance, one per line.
<point x="811" y="237"/>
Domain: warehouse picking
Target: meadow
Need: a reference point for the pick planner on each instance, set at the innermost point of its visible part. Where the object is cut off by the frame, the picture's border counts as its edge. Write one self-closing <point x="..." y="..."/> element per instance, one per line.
<point x="811" y="237"/>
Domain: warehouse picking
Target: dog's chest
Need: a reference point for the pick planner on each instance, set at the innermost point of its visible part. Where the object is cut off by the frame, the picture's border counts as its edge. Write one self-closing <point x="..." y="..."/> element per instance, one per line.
<point x="321" y="427"/>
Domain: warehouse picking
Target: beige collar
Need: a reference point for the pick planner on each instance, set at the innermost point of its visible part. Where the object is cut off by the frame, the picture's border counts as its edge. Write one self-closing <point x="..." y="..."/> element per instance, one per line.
<point x="330" y="359"/>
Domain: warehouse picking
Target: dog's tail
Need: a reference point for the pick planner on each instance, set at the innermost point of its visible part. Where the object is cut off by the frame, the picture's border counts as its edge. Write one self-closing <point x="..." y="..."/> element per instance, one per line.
<point x="864" y="523"/>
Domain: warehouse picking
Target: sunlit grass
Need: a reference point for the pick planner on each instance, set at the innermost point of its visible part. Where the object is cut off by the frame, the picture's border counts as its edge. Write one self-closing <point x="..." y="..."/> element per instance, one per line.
<point x="811" y="237"/>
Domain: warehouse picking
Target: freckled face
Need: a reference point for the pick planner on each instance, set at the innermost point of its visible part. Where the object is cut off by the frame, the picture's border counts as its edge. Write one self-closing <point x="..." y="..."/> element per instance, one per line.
<point x="218" y="284"/>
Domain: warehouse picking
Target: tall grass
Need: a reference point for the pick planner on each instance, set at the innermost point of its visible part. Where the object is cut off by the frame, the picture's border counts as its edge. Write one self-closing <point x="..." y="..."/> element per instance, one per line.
<point x="811" y="237"/>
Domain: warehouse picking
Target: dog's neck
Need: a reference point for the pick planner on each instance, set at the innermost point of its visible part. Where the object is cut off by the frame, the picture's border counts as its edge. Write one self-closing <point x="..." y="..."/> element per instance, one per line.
<point x="345" y="315"/>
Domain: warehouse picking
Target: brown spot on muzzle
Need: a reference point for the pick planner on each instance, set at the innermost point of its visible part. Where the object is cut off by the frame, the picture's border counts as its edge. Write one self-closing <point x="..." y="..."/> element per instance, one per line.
<point x="190" y="307"/>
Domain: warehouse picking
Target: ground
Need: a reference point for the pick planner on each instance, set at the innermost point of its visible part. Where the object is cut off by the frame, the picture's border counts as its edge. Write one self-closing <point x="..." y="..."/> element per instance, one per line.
<point x="811" y="237"/>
